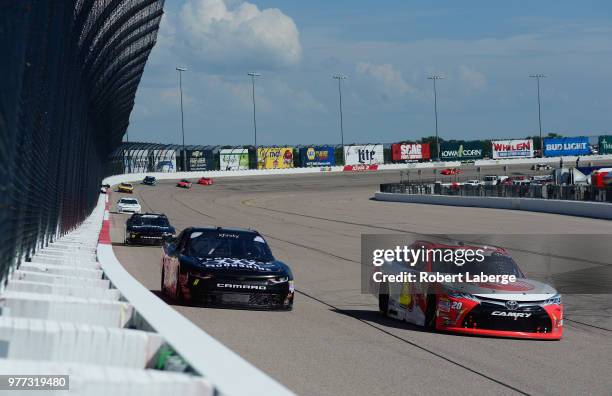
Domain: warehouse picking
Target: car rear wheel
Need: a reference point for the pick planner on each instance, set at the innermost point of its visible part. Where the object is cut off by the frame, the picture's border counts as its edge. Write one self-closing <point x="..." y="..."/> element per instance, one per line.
<point x="383" y="299"/>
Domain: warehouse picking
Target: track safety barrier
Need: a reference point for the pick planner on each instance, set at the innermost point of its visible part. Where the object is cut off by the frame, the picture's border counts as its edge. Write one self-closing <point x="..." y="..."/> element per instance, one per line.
<point x="598" y="210"/>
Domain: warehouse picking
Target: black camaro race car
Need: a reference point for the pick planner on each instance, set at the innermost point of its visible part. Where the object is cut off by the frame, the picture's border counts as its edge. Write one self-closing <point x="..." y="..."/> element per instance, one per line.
<point x="225" y="267"/>
<point x="148" y="229"/>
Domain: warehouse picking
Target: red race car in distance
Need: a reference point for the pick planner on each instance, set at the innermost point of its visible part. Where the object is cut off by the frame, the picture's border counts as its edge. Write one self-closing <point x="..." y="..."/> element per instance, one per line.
<point x="205" y="181"/>
<point x="184" y="183"/>
<point x="450" y="171"/>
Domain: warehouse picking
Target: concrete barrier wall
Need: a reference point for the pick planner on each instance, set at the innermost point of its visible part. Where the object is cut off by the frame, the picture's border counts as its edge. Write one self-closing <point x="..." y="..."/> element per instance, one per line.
<point x="598" y="210"/>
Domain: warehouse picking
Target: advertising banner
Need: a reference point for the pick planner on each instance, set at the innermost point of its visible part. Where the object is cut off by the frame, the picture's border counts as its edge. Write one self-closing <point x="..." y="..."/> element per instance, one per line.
<point x="360" y="168"/>
<point x="234" y="159"/>
<point x="274" y="157"/>
<point x="605" y="145"/>
<point x="518" y="148"/>
<point x="136" y="161"/>
<point x="410" y="151"/>
<point x="164" y="160"/>
<point x="364" y="154"/>
<point x="555" y="147"/>
<point x="200" y="160"/>
<point x="317" y="156"/>
<point x="460" y="151"/>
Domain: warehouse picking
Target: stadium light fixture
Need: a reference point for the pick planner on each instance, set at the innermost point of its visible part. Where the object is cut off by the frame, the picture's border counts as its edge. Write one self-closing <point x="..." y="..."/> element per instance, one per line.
<point x="435" y="77"/>
<point x="538" y="77"/>
<point x="340" y="77"/>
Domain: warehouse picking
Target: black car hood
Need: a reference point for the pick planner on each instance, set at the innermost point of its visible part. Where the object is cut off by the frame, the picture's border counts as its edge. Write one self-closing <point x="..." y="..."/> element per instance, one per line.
<point x="237" y="266"/>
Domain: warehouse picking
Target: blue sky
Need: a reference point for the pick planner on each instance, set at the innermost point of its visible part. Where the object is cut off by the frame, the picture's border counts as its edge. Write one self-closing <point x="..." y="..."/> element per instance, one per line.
<point x="485" y="49"/>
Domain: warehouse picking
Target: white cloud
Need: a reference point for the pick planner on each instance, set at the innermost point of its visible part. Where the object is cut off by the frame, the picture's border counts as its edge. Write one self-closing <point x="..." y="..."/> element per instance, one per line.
<point x="473" y="79"/>
<point x="386" y="74"/>
<point x="235" y="33"/>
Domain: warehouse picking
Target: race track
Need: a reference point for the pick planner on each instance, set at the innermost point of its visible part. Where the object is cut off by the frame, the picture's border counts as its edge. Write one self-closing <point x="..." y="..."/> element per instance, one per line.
<point x="334" y="342"/>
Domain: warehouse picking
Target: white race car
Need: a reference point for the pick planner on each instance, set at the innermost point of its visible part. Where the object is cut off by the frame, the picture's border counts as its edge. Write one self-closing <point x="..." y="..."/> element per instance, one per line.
<point x="128" y="205"/>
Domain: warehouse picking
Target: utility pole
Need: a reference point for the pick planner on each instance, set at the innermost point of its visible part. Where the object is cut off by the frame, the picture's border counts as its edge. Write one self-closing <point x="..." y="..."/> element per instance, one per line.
<point x="341" y="77"/>
<point x="184" y="154"/>
<point x="538" y="77"/>
<point x="253" y="75"/>
<point x="435" y="77"/>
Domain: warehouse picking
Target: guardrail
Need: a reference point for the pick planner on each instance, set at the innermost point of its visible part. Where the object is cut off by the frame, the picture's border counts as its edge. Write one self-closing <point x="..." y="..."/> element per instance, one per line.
<point x="598" y="210"/>
<point x="543" y="191"/>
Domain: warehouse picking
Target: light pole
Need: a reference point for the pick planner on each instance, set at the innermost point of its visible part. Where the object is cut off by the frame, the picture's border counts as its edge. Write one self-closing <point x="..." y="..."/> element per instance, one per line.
<point x="253" y="75"/>
<point x="435" y="77"/>
<point x="180" y="73"/>
<point x="538" y="77"/>
<point x="341" y="77"/>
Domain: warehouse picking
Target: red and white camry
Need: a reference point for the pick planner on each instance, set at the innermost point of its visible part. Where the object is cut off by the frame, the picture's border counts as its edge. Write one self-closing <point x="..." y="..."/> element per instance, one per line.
<point x="523" y="308"/>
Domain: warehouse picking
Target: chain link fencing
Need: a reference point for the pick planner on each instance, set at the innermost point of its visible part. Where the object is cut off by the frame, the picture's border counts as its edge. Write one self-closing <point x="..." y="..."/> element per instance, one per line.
<point x="69" y="73"/>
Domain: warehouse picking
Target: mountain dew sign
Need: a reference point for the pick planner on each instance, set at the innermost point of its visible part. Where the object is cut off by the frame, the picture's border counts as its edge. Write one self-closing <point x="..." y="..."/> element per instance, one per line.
<point x="605" y="144"/>
<point x="460" y="151"/>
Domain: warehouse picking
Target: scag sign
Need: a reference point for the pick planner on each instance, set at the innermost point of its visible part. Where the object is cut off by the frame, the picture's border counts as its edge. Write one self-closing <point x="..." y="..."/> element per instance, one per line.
<point x="410" y="151"/>
<point x="512" y="149"/>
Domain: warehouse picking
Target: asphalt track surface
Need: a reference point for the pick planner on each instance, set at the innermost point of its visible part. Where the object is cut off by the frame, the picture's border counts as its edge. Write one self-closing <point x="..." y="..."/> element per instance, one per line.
<point x="334" y="342"/>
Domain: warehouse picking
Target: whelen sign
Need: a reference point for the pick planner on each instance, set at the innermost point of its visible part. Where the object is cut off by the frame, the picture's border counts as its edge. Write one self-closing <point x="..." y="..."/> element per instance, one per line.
<point x="522" y="148"/>
<point x="410" y="151"/>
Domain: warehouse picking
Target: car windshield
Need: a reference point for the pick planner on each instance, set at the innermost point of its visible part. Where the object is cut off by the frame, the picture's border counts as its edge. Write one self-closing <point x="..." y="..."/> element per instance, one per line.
<point x="495" y="264"/>
<point x="240" y="245"/>
<point x="149" y="178"/>
<point x="185" y="181"/>
<point x="155" y="221"/>
<point x="126" y="185"/>
<point x="129" y="201"/>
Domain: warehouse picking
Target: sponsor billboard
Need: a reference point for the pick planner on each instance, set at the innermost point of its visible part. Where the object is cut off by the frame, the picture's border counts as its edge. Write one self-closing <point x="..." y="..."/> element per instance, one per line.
<point x="136" y="161"/>
<point x="317" y="156"/>
<point x="555" y="147"/>
<point x="360" y="168"/>
<point x="200" y="160"/>
<point x="605" y="145"/>
<point x="274" y="157"/>
<point x="164" y="160"/>
<point x="518" y="148"/>
<point x="234" y="159"/>
<point x="364" y="154"/>
<point x="410" y="151"/>
<point x="460" y="151"/>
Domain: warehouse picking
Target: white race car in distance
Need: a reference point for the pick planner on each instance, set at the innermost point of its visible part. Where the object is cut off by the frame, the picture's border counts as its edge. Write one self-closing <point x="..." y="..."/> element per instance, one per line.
<point x="128" y="205"/>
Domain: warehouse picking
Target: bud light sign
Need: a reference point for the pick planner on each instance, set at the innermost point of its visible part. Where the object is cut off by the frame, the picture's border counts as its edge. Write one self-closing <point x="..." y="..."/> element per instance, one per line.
<point x="364" y="154"/>
<point x="555" y="147"/>
<point x="317" y="156"/>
